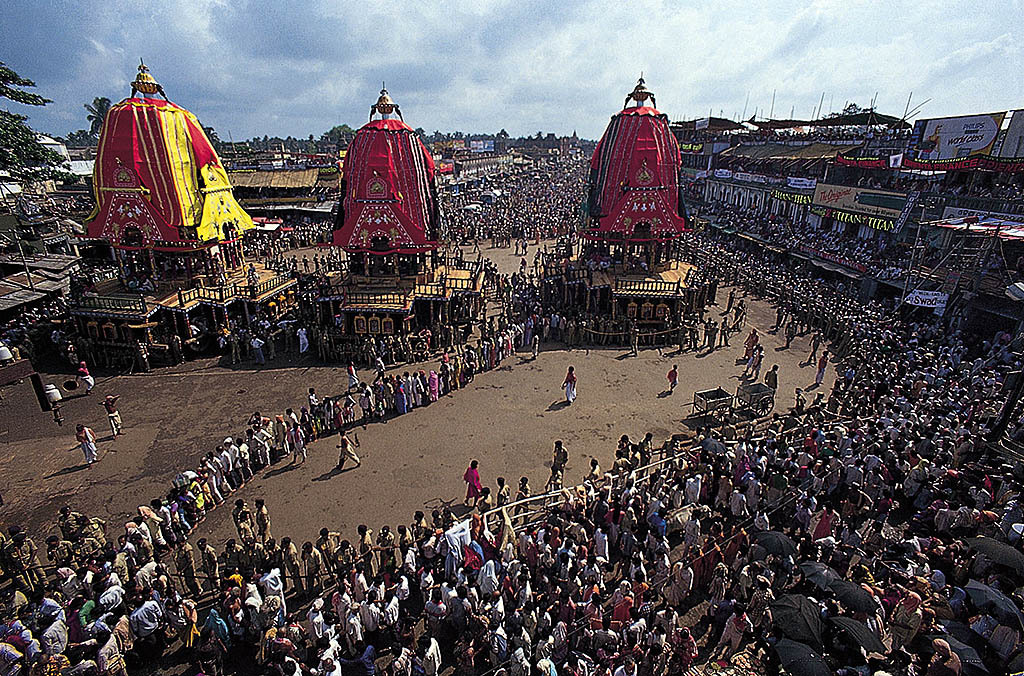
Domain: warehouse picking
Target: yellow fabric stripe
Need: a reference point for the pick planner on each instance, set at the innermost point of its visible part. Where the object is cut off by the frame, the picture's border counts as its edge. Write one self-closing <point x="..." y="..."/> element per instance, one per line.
<point x="219" y="205"/>
<point x="181" y="163"/>
<point x="162" y="189"/>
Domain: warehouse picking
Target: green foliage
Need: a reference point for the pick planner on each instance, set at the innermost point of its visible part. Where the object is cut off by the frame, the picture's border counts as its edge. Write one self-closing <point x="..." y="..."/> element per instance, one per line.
<point x="12" y="87"/>
<point x="80" y="139"/>
<point x="97" y="110"/>
<point x="22" y="156"/>
<point x="338" y="134"/>
<point x="215" y="141"/>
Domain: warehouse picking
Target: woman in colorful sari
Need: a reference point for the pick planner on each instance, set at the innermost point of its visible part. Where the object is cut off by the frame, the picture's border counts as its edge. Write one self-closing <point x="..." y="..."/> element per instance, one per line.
<point x="570" y="386"/>
<point x="472" y="479"/>
<point x="401" y="404"/>
<point x="433" y="385"/>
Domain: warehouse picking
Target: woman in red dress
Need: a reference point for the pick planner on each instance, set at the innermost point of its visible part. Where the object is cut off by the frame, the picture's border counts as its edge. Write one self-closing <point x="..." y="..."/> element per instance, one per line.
<point x="473" y="488"/>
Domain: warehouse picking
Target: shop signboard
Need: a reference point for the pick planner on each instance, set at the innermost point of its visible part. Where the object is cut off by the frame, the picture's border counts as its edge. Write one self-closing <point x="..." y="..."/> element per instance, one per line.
<point x="860" y="200"/>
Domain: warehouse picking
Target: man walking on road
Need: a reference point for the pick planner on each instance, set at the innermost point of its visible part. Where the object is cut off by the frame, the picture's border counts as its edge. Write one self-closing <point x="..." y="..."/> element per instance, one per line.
<point x="822" y="365"/>
<point x="87" y="439"/>
<point x="673" y="378"/>
<point x="113" y="415"/>
<point x="348" y="451"/>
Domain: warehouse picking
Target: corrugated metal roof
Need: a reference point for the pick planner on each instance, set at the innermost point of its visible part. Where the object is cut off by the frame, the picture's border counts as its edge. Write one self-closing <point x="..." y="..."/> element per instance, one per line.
<point x="19" y="297"/>
<point x="286" y="178"/>
<point x="778" y="151"/>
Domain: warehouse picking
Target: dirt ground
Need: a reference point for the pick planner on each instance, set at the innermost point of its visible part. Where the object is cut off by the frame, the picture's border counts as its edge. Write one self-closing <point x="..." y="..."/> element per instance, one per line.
<point x="507" y="419"/>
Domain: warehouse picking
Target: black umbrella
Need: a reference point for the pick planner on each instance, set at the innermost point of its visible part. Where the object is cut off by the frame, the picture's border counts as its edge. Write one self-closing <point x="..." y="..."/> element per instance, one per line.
<point x="1002" y="606"/>
<point x="1016" y="665"/>
<point x="969" y="657"/>
<point x="775" y="543"/>
<point x="799" y="618"/>
<point x="800" y="660"/>
<point x="853" y="596"/>
<point x="819" y="573"/>
<point x="859" y="632"/>
<point x="962" y="633"/>
<point x="713" y="446"/>
<point x="1000" y="552"/>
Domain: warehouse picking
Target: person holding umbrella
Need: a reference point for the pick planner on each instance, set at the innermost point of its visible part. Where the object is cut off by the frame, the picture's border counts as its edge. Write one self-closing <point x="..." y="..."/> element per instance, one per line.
<point x="905" y="620"/>
<point x="736" y="627"/>
<point x="944" y="662"/>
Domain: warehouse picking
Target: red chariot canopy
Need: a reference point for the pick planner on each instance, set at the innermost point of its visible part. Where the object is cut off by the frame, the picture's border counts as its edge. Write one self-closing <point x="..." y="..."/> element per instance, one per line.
<point x="157" y="180"/>
<point x="390" y="201"/>
<point x="634" y="180"/>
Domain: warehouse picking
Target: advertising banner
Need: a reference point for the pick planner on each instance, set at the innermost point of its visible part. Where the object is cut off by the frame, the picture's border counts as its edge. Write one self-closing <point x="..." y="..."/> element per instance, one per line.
<point x="912" y="198"/>
<point x="794" y="197"/>
<point x="860" y="200"/>
<point x="958" y="212"/>
<point x="702" y="123"/>
<point x="691" y="148"/>
<point x="1012" y="165"/>
<point x="481" y="146"/>
<point x="1013" y="141"/>
<point x="933" y="299"/>
<point x="723" y="173"/>
<point x="750" y="178"/>
<point x="801" y="183"/>
<point x="862" y="162"/>
<point x="952" y="137"/>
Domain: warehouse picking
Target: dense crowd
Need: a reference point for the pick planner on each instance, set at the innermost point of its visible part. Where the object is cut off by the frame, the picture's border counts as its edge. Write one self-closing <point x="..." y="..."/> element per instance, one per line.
<point x="526" y="206"/>
<point x="870" y="531"/>
<point x="875" y="255"/>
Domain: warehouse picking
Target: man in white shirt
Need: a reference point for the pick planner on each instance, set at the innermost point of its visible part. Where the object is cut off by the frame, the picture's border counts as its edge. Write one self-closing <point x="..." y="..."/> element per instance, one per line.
<point x="693" y="488"/>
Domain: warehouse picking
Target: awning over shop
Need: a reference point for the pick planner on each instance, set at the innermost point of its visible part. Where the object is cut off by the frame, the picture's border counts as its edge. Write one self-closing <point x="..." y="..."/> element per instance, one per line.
<point x="990" y="225"/>
<point x="779" y="151"/>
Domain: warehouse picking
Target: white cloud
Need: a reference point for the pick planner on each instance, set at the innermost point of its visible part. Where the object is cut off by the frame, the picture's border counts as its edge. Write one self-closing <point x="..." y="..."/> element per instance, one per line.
<point x="298" y="68"/>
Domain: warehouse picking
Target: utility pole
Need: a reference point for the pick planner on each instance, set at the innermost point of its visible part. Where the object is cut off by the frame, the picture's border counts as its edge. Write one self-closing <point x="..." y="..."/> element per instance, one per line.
<point x="21" y="252"/>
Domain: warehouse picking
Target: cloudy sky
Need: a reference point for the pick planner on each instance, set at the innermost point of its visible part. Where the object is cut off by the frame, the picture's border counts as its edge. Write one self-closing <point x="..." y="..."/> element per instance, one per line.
<point x="296" y="68"/>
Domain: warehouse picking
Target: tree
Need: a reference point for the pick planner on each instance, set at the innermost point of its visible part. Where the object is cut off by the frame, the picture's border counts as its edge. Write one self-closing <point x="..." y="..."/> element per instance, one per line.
<point x="22" y="156"/>
<point x="11" y="87"/>
<point x="79" y="139"/>
<point x="850" y="109"/>
<point x="211" y="134"/>
<point x="338" y="134"/>
<point x="502" y="134"/>
<point x="98" y="110"/>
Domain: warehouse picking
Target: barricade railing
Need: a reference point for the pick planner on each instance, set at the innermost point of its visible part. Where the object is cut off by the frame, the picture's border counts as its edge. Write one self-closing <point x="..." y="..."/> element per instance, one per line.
<point x="133" y="303"/>
<point x="527" y="511"/>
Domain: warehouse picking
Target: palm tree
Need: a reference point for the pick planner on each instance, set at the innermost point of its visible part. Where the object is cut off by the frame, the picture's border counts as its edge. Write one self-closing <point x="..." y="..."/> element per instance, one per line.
<point x="97" y="113"/>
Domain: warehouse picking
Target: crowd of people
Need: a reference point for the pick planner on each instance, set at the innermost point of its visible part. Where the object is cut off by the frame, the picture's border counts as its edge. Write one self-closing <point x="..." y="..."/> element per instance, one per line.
<point x="523" y="207"/>
<point x="876" y="255"/>
<point x="872" y="531"/>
